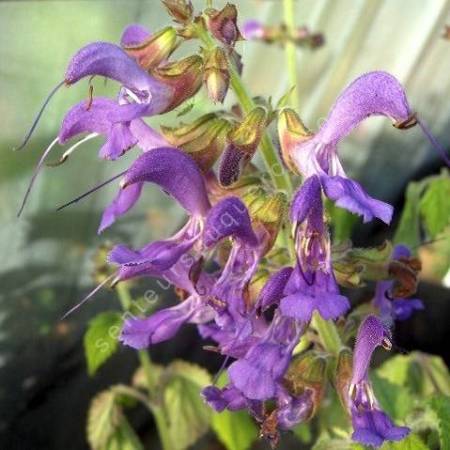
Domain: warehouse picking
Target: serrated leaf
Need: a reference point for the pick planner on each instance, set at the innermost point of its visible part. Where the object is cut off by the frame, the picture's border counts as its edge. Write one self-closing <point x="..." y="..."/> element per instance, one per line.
<point x="435" y="206"/>
<point x="100" y="339"/>
<point x="441" y="406"/>
<point x="189" y="417"/>
<point x="408" y="230"/>
<point x="107" y="427"/>
<point x="395" y="400"/>
<point x="437" y="377"/>
<point x="103" y="419"/>
<point x="411" y="442"/>
<point x="395" y="369"/>
<point x="125" y="438"/>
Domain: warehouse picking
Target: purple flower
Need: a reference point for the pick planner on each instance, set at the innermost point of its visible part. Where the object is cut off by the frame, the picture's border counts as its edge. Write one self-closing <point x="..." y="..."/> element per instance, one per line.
<point x="371" y="425"/>
<point x="293" y="410"/>
<point x="391" y="309"/>
<point x="258" y="374"/>
<point x="374" y="93"/>
<point x="165" y="323"/>
<point x="312" y="285"/>
<point x="110" y="61"/>
<point x="177" y="174"/>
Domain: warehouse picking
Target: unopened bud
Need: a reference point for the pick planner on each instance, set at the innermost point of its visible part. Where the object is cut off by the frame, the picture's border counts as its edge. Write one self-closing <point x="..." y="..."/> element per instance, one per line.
<point x="204" y="139"/>
<point x="223" y="24"/>
<point x="269" y="210"/>
<point x="183" y="76"/>
<point x="154" y="50"/>
<point x="243" y="141"/>
<point x="291" y="131"/>
<point x="216" y="75"/>
<point x="180" y="10"/>
<point x="343" y="375"/>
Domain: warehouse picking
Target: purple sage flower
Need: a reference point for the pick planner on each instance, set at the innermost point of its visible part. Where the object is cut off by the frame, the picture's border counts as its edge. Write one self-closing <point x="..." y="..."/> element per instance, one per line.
<point x="371" y="425"/>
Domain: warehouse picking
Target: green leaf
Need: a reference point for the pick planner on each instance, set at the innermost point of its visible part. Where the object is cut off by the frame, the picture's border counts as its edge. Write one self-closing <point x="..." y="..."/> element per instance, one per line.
<point x="441" y="406"/>
<point x="303" y="432"/>
<point x="412" y="442"/>
<point x="107" y="427"/>
<point x="408" y="230"/>
<point x="395" y="369"/>
<point x="333" y="444"/>
<point x="189" y="417"/>
<point x="100" y="340"/>
<point x="103" y="418"/>
<point x="435" y="205"/>
<point x="236" y="430"/>
<point x="394" y="399"/>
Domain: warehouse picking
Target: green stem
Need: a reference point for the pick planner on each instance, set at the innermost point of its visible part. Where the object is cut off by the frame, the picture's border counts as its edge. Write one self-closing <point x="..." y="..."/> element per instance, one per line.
<point x="158" y="411"/>
<point x="277" y="173"/>
<point x="328" y="334"/>
<point x="291" y="51"/>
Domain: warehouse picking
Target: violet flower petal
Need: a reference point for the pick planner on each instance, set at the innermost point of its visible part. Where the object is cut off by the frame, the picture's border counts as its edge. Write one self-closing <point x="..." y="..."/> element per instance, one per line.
<point x="122" y="203"/>
<point x="134" y="34"/>
<point x="273" y="291"/>
<point x="350" y="195"/>
<point x="176" y="173"/>
<point x="229" y="217"/>
<point x="371" y="334"/>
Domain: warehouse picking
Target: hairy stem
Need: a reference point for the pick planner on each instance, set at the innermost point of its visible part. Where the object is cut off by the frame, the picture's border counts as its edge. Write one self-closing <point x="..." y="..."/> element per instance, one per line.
<point x="290" y="51"/>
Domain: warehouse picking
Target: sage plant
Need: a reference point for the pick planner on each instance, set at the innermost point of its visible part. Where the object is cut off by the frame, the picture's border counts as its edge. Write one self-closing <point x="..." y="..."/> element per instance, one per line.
<point x="255" y="265"/>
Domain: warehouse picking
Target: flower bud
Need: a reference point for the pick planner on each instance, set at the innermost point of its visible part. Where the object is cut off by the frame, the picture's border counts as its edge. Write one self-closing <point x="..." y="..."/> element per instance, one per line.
<point x="223" y="24"/>
<point x="180" y="10"/>
<point x="308" y="372"/>
<point x="216" y="76"/>
<point x="344" y="375"/>
<point x="291" y="131"/>
<point x="243" y="141"/>
<point x="269" y="210"/>
<point x="183" y="76"/>
<point x="203" y="139"/>
<point x="154" y="50"/>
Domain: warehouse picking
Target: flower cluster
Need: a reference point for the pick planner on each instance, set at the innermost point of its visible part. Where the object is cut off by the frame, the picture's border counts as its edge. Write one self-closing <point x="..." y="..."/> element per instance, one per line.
<point x="230" y="261"/>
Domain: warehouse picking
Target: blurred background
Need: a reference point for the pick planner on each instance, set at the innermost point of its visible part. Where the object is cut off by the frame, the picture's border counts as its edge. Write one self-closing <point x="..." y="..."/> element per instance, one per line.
<point x="47" y="256"/>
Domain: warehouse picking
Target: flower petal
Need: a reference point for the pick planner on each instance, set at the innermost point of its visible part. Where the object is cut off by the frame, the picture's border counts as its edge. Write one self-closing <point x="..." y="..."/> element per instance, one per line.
<point x="122" y="203"/>
<point x="176" y="173"/>
<point x="350" y="195"/>
<point x="374" y="93"/>
<point x="228" y="217"/>
<point x="307" y="201"/>
<point x="371" y="334"/>
<point x="109" y="60"/>
<point x="272" y="292"/>
<point x="159" y="327"/>
<point x="134" y="34"/>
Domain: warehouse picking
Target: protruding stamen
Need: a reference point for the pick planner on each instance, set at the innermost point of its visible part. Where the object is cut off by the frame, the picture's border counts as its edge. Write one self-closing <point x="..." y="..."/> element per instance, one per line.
<point x="90" y="295"/>
<point x="410" y="122"/>
<point x="95" y="188"/>
<point x="35" y="174"/>
<point x="434" y="142"/>
<point x="69" y="151"/>
<point x="39" y="114"/>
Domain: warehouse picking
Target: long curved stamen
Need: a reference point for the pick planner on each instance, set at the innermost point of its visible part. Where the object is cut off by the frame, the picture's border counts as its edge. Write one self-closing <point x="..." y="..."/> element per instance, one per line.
<point x="69" y="151"/>
<point x="35" y="174"/>
<point x="90" y="295"/>
<point x="434" y="142"/>
<point x="95" y="188"/>
<point x="38" y="116"/>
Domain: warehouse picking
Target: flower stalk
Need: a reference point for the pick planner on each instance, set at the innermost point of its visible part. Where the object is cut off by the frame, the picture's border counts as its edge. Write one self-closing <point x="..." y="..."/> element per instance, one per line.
<point x="290" y="52"/>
